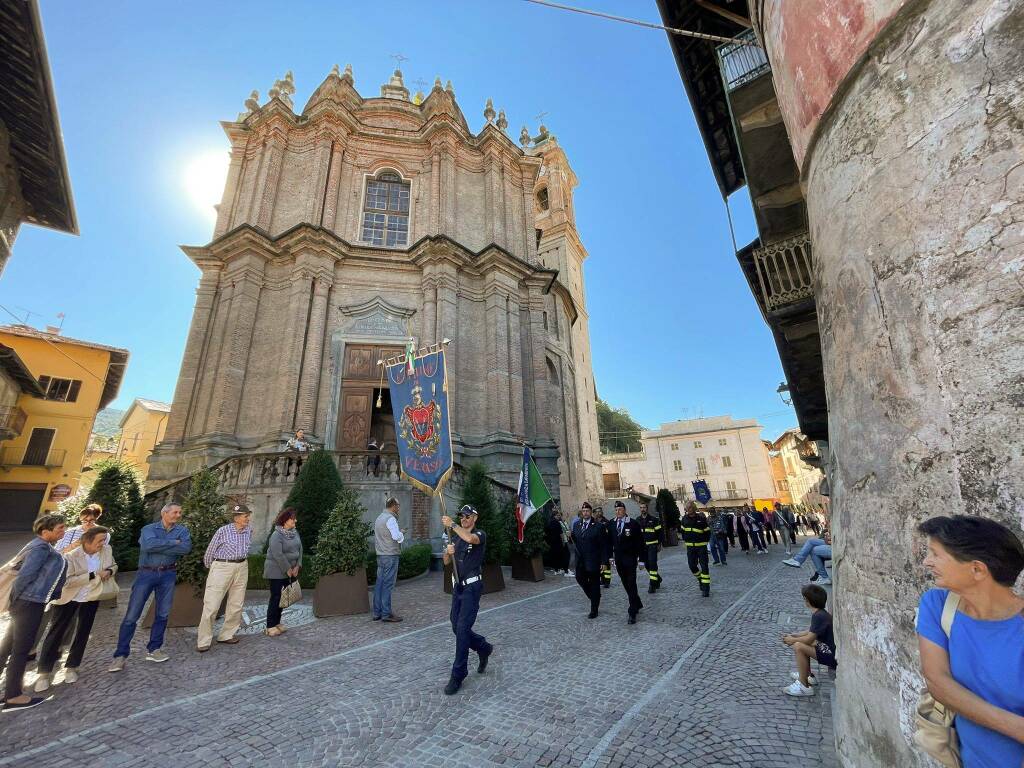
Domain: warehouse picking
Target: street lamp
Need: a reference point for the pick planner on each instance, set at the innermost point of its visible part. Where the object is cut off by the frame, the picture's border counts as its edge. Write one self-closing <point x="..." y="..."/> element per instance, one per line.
<point x="782" y="391"/>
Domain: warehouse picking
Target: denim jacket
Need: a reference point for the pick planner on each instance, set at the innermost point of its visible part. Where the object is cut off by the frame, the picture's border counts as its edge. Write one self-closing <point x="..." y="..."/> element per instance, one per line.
<point x="41" y="575"/>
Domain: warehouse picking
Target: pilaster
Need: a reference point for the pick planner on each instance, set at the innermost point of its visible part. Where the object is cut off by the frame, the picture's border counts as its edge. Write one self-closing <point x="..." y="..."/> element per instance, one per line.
<point x="226" y="209"/>
<point x="293" y="333"/>
<point x="247" y="277"/>
<point x="330" y="211"/>
<point x="309" y="381"/>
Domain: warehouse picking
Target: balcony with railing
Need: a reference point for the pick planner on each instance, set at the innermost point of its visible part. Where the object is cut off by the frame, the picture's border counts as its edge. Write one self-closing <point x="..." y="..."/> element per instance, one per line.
<point x="784" y="271"/>
<point x="742" y="61"/>
<point x="11" y="456"/>
<point x="12" y="421"/>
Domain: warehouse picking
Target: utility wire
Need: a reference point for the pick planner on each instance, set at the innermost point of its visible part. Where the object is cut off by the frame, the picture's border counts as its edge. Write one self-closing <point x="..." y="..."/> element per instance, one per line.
<point x="648" y="24"/>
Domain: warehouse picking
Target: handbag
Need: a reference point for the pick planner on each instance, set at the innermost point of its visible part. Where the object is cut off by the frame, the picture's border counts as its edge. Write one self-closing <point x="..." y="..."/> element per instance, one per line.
<point x="935" y="732"/>
<point x="108" y="589"/>
<point x="291" y="594"/>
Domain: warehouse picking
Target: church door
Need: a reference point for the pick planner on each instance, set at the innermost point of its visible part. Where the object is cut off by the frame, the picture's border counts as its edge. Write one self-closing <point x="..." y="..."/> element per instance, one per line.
<point x="358" y="419"/>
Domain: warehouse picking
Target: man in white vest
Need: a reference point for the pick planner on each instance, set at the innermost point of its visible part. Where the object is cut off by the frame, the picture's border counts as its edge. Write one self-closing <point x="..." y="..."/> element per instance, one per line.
<point x="387" y="539"/>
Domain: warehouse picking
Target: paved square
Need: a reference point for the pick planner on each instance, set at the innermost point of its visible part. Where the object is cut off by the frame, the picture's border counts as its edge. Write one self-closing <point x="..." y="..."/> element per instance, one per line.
<point x="694" y="682"/>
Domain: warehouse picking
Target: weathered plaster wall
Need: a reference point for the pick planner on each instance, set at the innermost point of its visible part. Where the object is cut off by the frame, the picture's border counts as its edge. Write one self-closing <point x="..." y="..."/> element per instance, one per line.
<point x="915" y="189"/>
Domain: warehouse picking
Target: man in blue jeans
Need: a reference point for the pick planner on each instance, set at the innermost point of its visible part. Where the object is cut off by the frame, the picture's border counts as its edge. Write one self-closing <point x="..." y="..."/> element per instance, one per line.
<point x="160" y="546"/>
<point x="387" y="541"/>
<point x="819" y="550"/>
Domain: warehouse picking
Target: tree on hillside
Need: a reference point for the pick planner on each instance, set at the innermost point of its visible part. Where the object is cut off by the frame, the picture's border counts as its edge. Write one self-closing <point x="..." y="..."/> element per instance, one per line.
<point x="314" y="495"/>
<point x="617" y="430"/>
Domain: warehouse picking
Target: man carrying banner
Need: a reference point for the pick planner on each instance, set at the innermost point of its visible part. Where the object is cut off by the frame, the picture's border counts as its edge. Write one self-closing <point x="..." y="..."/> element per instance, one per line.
<point x="591" y="542"/>
<point x="467" y="583"/>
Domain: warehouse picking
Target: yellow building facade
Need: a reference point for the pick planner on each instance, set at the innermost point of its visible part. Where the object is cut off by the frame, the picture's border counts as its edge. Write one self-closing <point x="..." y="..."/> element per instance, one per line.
<point x="142" y="427"/>
<point x="41" y="461"/>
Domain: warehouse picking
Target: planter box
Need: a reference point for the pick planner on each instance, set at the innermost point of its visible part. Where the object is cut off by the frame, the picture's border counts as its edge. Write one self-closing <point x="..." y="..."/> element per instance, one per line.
<point x="186" y="610"/>
<point x="528" y="568"/>
<point x="494" y="579"/>
<point x="341" y="594"/>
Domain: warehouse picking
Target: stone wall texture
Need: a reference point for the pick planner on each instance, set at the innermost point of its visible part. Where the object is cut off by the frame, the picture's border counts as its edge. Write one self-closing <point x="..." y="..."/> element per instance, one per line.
<point x="915" y="188"/>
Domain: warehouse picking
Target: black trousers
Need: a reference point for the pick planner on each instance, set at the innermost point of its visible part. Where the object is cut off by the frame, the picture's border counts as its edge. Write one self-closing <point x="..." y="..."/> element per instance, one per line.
<point x="651" y="563"/>
<point x="627" y="573"/>
<point x="590" y="582"/>
<point x="21" y="635"/>
<point x="63" y="617"/>
<point x="274" y="606"/>
<point x="697" y="559"/>
<point x="744" y="540"/>
<point x="771" y="536"/>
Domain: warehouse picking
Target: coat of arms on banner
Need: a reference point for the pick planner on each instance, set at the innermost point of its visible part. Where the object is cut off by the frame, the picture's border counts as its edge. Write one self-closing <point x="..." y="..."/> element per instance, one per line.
<point x="421" y="424"/>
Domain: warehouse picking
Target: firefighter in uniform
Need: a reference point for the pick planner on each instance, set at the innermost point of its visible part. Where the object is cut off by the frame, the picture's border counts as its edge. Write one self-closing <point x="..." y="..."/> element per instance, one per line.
<point x="626" y="546"/>
<point x="697" y="534"/>
<point x="468" y="553"/>
<point x="652" y="535"/>
<point x="606" y="568"/>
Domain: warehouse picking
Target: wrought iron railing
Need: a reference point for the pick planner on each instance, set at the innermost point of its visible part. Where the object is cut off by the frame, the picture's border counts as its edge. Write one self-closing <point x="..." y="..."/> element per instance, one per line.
<point x="742" y="61"/>
<point x="11" y="456"/>
<point x="784" y="271"/>
<point x="12" y="421"/>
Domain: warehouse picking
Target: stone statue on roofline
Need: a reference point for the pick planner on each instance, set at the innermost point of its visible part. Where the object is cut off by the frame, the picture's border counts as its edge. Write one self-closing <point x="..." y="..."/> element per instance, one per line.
<point x="252" y="104"/>
<point x="283" y="89"/>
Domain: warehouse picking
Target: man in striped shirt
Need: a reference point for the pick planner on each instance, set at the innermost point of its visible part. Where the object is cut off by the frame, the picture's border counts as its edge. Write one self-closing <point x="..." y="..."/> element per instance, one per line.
<point x="229" y="573"/>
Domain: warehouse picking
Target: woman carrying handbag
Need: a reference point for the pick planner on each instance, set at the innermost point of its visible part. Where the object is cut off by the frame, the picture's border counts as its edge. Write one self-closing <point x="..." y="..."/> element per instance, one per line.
<point x="281" y="569"/>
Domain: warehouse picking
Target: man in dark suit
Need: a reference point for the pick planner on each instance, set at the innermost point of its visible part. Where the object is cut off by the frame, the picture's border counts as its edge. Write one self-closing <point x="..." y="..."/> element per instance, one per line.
<point x="627" y="547"/>
<point x="591" y="541"/>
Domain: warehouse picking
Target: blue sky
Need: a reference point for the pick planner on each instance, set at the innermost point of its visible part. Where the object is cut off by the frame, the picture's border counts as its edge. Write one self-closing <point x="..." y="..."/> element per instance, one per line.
<point x="141" y="87"/>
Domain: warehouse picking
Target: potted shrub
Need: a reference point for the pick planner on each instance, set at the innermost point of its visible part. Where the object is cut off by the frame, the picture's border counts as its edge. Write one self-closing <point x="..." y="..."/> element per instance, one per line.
<point x="117" y="490"/>
<point x="527" y="559"/>
<point x="668" y="512"/>
<point x="491" y="520"/>
<point x="339" y="563"/>
<point x="314" y="495"/>
<point x="202" y="512"/>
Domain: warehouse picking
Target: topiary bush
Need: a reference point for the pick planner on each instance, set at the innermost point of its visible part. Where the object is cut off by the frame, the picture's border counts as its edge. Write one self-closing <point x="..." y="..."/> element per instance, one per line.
<point x="202" y="512"/>
<point x="666" y="509"/>
<point x="412" y="562"/>
<point x="256" y="580"/>
<point x="343" y="546"/>
<point x="477" y="493"/>
<point x="314" y="495"/>
<point x="117" y="490"/>
<point x="534" y="539"/>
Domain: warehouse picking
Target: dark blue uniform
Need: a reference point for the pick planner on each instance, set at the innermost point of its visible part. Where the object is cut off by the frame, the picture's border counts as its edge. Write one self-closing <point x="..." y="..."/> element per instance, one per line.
<point x="469" y="560"/>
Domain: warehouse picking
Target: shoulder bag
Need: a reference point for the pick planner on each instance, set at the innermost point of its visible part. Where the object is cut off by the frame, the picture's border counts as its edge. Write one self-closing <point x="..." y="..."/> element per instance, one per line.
<point x="8" y="573"/>
<point x="935" y="732"/>
<point x="291" y="594"/>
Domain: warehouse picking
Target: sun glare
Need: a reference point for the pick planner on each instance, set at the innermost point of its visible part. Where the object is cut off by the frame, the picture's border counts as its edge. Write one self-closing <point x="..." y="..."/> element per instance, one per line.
<point x="203" y="179"/>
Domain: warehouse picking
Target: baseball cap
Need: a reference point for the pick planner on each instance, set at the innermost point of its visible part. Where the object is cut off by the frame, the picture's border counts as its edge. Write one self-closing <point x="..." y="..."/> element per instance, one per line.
<point x="467" y="510"/>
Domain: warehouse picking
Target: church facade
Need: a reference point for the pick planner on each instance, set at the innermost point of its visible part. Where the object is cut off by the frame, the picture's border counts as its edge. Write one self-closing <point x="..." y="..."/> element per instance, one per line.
<point x="349" y="227"/>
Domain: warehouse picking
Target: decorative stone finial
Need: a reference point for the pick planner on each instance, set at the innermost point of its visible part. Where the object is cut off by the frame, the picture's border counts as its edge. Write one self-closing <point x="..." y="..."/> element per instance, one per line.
<point x="283" y="89"/>
<point x="336" y="71"/>
<point x="502" y="121"/>
<point x="448" y="87"/>
<point x="252" y="104"/>
<point x="543" y="133"/>
<point x="489" y="111"/>
<point x="348" y="74"/>
<point x="437" y="83"/>
<point x="395" y="87"/>
<point x="524" y="137"/>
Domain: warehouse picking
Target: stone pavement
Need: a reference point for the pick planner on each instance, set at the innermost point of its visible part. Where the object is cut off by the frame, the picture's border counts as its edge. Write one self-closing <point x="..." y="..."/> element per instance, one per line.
<point x="695" y="682"/>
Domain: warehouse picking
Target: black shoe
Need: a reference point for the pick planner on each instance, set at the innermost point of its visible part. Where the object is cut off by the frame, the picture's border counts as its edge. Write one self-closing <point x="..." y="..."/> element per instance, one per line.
<point x="33" y="702"/>
<point x="592" y="615"/>
<point x="453" y="687"/>
<point x="606" y="586"/>
<point x="652" y="589"/>
<point x="376" y="618"/>
<point x="484" y="658"/>
<point x="632" y="619"/>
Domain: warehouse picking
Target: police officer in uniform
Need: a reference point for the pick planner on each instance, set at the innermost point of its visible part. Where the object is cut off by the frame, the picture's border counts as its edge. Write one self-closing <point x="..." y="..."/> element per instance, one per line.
<point x="467" y="583"/>
<point x="627" y="547"/>
<point x="697" y="534"/>
<point x="606" y="569"/>
<point x="590" y="539"/>
<point x="651" y="527"/>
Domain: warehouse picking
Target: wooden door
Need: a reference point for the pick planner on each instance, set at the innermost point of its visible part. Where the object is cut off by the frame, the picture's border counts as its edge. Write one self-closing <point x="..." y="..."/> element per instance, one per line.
<point x="38" y="447"/>
<point x="354" y="422"/>
<point x="360" y="381"/>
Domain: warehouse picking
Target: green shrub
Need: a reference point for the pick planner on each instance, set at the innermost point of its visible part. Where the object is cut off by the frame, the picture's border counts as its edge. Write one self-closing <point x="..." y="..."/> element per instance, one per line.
<point x="534" y="540"/>
<point x="477" y="493"/>
<point x="202" y="512"/>
<point x="314" y="495"/>
<point x="342" y="547"/>
<point x="412" y="561"/>
<point x="667" y="510"/>
<point x="117" y="490"/>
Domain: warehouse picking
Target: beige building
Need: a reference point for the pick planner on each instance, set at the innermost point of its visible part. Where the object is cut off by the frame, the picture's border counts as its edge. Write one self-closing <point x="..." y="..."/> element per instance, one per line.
<point x="804" y="482"/>
<point x="142" y="427"/>
<point x="354" y="223"/>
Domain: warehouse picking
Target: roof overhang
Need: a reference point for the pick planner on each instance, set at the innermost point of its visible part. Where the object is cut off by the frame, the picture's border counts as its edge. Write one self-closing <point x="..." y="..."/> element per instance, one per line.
<point x="17" y="370"/>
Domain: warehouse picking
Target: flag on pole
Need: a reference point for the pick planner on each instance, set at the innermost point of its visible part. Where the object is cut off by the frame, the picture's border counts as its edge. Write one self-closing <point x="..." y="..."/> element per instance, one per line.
<point x="533" y="494"/>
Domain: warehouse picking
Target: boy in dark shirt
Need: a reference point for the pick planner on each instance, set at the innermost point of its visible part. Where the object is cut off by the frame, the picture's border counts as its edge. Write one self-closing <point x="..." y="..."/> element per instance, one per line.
<point x="816" y="643"/>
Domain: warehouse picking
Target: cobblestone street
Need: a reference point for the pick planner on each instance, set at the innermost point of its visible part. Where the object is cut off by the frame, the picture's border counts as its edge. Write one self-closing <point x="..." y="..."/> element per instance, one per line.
<point x="695" y="682"/>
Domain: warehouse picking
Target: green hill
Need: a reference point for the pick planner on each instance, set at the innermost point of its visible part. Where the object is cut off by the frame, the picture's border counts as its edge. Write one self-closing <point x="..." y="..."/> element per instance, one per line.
<point x="107" y="422"/>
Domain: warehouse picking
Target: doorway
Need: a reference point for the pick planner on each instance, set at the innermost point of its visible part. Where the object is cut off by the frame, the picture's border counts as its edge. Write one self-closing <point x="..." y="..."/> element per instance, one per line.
<point x="359" y="418"/>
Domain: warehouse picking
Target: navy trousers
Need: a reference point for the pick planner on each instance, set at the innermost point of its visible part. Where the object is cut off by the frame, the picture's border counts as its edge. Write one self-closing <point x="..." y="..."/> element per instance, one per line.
<point x="465" y="604"/>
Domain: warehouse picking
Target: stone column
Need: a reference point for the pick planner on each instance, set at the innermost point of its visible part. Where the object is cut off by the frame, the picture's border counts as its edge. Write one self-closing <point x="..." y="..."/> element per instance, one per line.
<point x="496" y="328"/>
<point x="333" y="179"/>
<point x="435" y="193"/>
<point x="318" y="189"/>
<point x="447" y="327"/>
<point x="202" y="416"/>
<point x="238" y="340"/>
<point x="914" y="171"/>
<point x="309" y="383"/>
<point x="539" y="371"/>
<point x="184" y="391"/>
<point x="293" y="332"/>
<point x="448" y="213"/>
<point x="266" y="192"/>
<point x="515" y="368"/>
<point x="428" y="328"/>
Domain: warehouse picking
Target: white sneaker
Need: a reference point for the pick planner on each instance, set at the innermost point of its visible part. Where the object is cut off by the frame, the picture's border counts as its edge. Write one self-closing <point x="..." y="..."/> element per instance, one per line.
<point x="792" y="563"/>
<point x="810" y="678"/>
<point x="118" y="664"/>
<point x="571" y="574"/>
<point x="826" y="582"/>
<point x="157" y="656"/>
<point x="42" y="683"/>
<point x="70" y="675"/>
<point x="796" y="689"/>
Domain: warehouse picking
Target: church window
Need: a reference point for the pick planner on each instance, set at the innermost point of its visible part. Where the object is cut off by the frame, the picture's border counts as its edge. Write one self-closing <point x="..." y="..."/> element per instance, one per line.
<point x="542" y="199"/>
<point x="386" y="211"/>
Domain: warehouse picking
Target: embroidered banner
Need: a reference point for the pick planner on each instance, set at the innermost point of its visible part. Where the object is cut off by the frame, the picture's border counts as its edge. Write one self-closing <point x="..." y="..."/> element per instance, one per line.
<point x="419" y="400"/>
<point x="701" y="491"/>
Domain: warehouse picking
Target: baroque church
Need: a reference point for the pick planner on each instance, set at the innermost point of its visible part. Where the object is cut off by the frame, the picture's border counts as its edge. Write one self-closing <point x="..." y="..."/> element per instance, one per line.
<point x="356" y="223"/>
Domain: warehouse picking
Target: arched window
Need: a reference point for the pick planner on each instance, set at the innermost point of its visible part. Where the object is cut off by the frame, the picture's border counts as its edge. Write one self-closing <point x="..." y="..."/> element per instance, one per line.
<point x="542" y="199"/>
<point x="386" y="211"/>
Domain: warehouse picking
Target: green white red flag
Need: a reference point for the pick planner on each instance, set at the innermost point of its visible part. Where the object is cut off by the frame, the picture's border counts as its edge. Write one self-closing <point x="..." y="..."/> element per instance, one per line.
<point x="533" y="494"/>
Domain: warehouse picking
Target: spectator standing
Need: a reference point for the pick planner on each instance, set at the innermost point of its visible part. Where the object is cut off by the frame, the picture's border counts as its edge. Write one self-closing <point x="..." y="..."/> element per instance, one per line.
<point x="42" y="574"/>
<point x="88" y="518"/>
<point x="730" y="528"/>
<point x="161" y="544"/>
<point x="90" y="577"/>
<point x="298" y="443"/>
<point x="771" y="535"/>
<point x="743" y="529"/>
<point x="976" y="669"/>
<point x="816" y="643"/>
<point x="558" y="552"/>
<point x="227" y="558"/>
<point x="756" y="523"/>
<point x="387" y="540"/>
<point x="719" y="544"/>
<point x="282" y="566"/>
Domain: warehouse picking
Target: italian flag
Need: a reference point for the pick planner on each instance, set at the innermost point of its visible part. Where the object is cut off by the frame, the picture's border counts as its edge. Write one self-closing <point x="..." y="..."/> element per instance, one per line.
<point x="533" y="494"/>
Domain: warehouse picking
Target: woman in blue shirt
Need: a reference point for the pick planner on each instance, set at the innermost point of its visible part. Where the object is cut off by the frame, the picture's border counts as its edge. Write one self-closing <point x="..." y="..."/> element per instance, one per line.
<point x="978" y="671"/>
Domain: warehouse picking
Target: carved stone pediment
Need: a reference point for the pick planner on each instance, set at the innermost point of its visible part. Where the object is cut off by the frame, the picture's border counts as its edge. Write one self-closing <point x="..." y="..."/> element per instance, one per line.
<point x="377" y="317"/>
